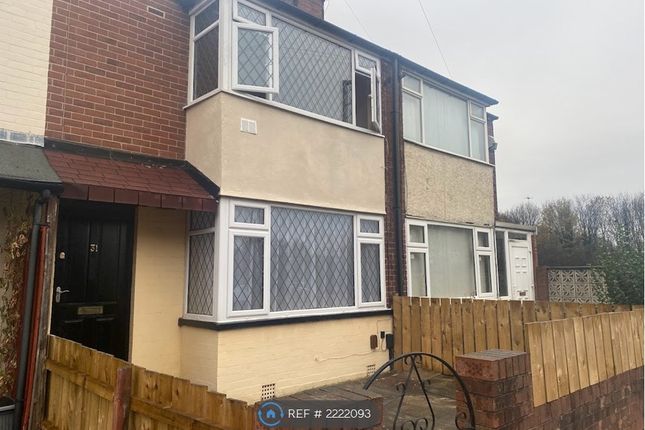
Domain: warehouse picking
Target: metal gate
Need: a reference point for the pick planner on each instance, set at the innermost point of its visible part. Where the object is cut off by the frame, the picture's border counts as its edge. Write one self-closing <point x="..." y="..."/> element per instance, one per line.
<point x="412" y="361"/>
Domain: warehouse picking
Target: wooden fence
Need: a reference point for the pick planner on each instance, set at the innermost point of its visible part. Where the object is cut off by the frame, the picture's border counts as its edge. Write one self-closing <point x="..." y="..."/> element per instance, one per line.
<point x="91" y="390"/>
<point x="570" y="354"/>
<point x="451" y="327"/>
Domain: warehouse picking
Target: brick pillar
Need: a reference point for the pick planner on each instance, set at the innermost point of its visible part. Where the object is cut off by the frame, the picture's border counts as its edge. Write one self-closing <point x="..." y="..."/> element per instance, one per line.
<point x="499" y="384"/>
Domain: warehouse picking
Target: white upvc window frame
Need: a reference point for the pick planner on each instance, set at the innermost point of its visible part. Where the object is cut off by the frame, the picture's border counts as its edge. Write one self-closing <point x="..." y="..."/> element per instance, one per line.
<point x="375" y="87"/>
<point x="190" y="233"/>
<point x="216" y="26"/>
<point x="420" y="94"/>
<point x="485" y="251"/>
<point x="418" y="248"/>
<point x="230" y="229"/>
<point x="274" y="88"/>
<point x="374" y="239"/>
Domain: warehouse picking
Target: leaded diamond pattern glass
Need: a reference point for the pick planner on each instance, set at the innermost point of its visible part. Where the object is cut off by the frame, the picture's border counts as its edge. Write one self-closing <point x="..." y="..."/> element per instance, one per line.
<point x="248" y="273"/>
<point x="200" y="274"/>
<point x="205" y="63"/>
<point x="201" y="220"/>
<point x="369" y="226"/>
<point x="249" y="215"/>
<point x="315" y="74"/>
<point x="251" y="14"/>
<point x="312" y="259"/>
<point x="206" y="17"/>
<point x="366" y="63"/>
<point x="254" y="58"/>
<point x="370" y="272"/>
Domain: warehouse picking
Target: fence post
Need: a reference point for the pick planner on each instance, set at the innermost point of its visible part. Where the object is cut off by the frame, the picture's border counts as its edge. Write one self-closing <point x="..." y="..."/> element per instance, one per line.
<point x="121" y="401"/>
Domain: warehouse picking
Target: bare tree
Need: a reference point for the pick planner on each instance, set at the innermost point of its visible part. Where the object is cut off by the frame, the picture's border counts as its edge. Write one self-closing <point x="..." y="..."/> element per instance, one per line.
<point x="526" y="213"/>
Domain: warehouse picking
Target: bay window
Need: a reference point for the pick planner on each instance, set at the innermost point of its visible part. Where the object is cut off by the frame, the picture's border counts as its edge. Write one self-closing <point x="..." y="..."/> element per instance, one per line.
<point x="441" y="120"/>
<point x="279" y="260"/>
<point x="274" y="58"/>
<point x="449" y="261"/>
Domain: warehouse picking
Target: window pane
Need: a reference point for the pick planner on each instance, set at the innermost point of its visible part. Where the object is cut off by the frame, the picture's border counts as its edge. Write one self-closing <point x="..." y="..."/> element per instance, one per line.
<point x="315" y="74"/>
<point x="248" y="273"/>
<point x="485" y="274"/>
<point x="370" y="272"/>
<point x="206" y="17"/>
<point x="418" y="274"/>
<point x="478" y="138"/>
<point x="251" y="14"/>
<point x="312" y="259"/>
<point x="366" y="63"/>
<point x="517" y="236"/>
<point x="411" y="117"/>
<point x="369" y="226"/>
<point x="200" y="274"/>
<point x="249" y="215"/>
<point x="501" y="263"/>
<point x="483" y="239"/>
<point x="445" y="121"/>
<point x="205" y="61"/>
<point x="452" y="264"/>
<point x="254" y="58"/>
<point x="477" y="111"/>
<point x="417" y="234"/>
<point x="412" y="84"/>
<point x="201" y="220"/>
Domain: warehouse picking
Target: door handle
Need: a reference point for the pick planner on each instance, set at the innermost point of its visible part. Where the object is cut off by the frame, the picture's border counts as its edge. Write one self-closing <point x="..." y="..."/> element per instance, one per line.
<point x="60" y="292"/>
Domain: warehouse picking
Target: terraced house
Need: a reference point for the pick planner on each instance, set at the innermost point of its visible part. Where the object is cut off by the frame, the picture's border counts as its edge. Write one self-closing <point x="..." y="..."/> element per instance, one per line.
<point x="245" y="186"/>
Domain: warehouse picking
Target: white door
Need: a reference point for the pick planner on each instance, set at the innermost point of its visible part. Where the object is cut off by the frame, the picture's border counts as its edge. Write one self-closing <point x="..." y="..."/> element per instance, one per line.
<point x="521" y="271"/>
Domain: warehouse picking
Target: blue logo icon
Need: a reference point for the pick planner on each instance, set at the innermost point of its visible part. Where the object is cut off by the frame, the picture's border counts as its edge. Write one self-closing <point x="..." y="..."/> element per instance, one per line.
<point x="270" y="414"/>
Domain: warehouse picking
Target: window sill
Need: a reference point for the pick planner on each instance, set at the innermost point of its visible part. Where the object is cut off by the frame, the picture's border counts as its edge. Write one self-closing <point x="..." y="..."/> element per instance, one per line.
<point x="287" y="108"/>
<point x="221" y="326"/>
<point x="434" y="148"/>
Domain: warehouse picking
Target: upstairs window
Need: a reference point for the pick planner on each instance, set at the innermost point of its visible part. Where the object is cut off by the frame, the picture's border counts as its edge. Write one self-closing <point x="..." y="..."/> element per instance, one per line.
<point x="205" y="50"/>
<point x="442" y="120"/>
<point x="255" y="50"/>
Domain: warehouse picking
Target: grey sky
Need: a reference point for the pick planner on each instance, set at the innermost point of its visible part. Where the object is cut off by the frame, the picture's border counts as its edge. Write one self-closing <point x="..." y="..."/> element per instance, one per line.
<point x="568" y="75"/>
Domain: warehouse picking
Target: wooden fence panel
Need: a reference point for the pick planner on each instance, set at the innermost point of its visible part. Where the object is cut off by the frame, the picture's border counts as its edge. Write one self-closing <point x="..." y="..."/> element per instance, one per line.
<point x="468" y="325"/>
<point x="84" y="392"/>
<point x="534" y="343"/>
<point x="548" y="352"/>
<point x="435" y="318"/>
<point x="490" y="315"/>
<point x="426" y="329"/>
<point x="480" y="325"/>
<point x="560" y="358"/>
<point x="503" y="325"/>
<point x="446" y="331"/>
<point x="517" y="326"/>
<point x="457" y="329"/>
<point x="570" y="350"/>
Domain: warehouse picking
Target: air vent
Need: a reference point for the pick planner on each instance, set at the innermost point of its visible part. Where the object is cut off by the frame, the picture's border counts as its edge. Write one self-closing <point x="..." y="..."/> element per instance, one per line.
<point x="158" y="12"/>
<point x="248" y="126"/>
<point x="268" y="392"/>
<point x="371" y="368"/>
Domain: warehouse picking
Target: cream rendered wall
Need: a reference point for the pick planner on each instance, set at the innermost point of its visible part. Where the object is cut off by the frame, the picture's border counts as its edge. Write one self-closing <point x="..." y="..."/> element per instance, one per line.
<point x="25" y="28"/>
<point x="292" y="159"/>
<point x="444" y="187"/>
<point x="158" y="291"/>
<point x="295" y="357"/>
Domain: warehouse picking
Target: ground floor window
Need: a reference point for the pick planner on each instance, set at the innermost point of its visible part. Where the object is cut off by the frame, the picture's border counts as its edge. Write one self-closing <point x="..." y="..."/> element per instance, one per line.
<point x="278" y="260"/>
<point x="201" y="259"/>
<point x="450" y="261"/>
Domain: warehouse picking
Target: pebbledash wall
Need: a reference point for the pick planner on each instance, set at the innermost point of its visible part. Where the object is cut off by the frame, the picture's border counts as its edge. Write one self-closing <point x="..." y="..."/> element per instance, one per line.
<point x="24" y="59"/>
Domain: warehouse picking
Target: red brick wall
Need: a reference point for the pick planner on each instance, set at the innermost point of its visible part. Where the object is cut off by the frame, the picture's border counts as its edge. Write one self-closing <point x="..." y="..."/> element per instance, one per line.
<point x="391" y="205"/>
<point x="500" y="387"/>
<point x="118" y="75"/>
<point x="312" y="7"/>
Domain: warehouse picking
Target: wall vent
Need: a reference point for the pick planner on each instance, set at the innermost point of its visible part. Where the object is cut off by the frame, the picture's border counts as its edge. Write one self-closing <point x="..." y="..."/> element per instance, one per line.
<point x="268" y="392"/>
<point x="371" y="368"/>
<point x="248" y="126"/>
<point x="158" y="12"/>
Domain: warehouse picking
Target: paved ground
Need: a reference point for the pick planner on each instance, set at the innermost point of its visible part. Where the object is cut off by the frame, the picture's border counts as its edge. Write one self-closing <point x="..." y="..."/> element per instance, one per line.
<point x="441" y="392"/>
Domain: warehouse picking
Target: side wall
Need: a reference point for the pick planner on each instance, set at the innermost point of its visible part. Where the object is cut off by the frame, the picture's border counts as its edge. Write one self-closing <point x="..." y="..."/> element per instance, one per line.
<point x="448" y="188"/>
<point x="158" y="296"/>
<point x="24" y="62"/>
<point x="294" y="357"/>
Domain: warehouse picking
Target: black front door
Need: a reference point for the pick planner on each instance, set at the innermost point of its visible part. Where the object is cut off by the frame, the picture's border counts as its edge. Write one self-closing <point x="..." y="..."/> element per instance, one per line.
<point x="92" y="282"/>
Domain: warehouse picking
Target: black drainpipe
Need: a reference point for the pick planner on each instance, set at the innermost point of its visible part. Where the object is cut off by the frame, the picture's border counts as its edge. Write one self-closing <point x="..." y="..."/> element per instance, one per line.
<point x="27" y="314"/>
<point x="396" y="161"/>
